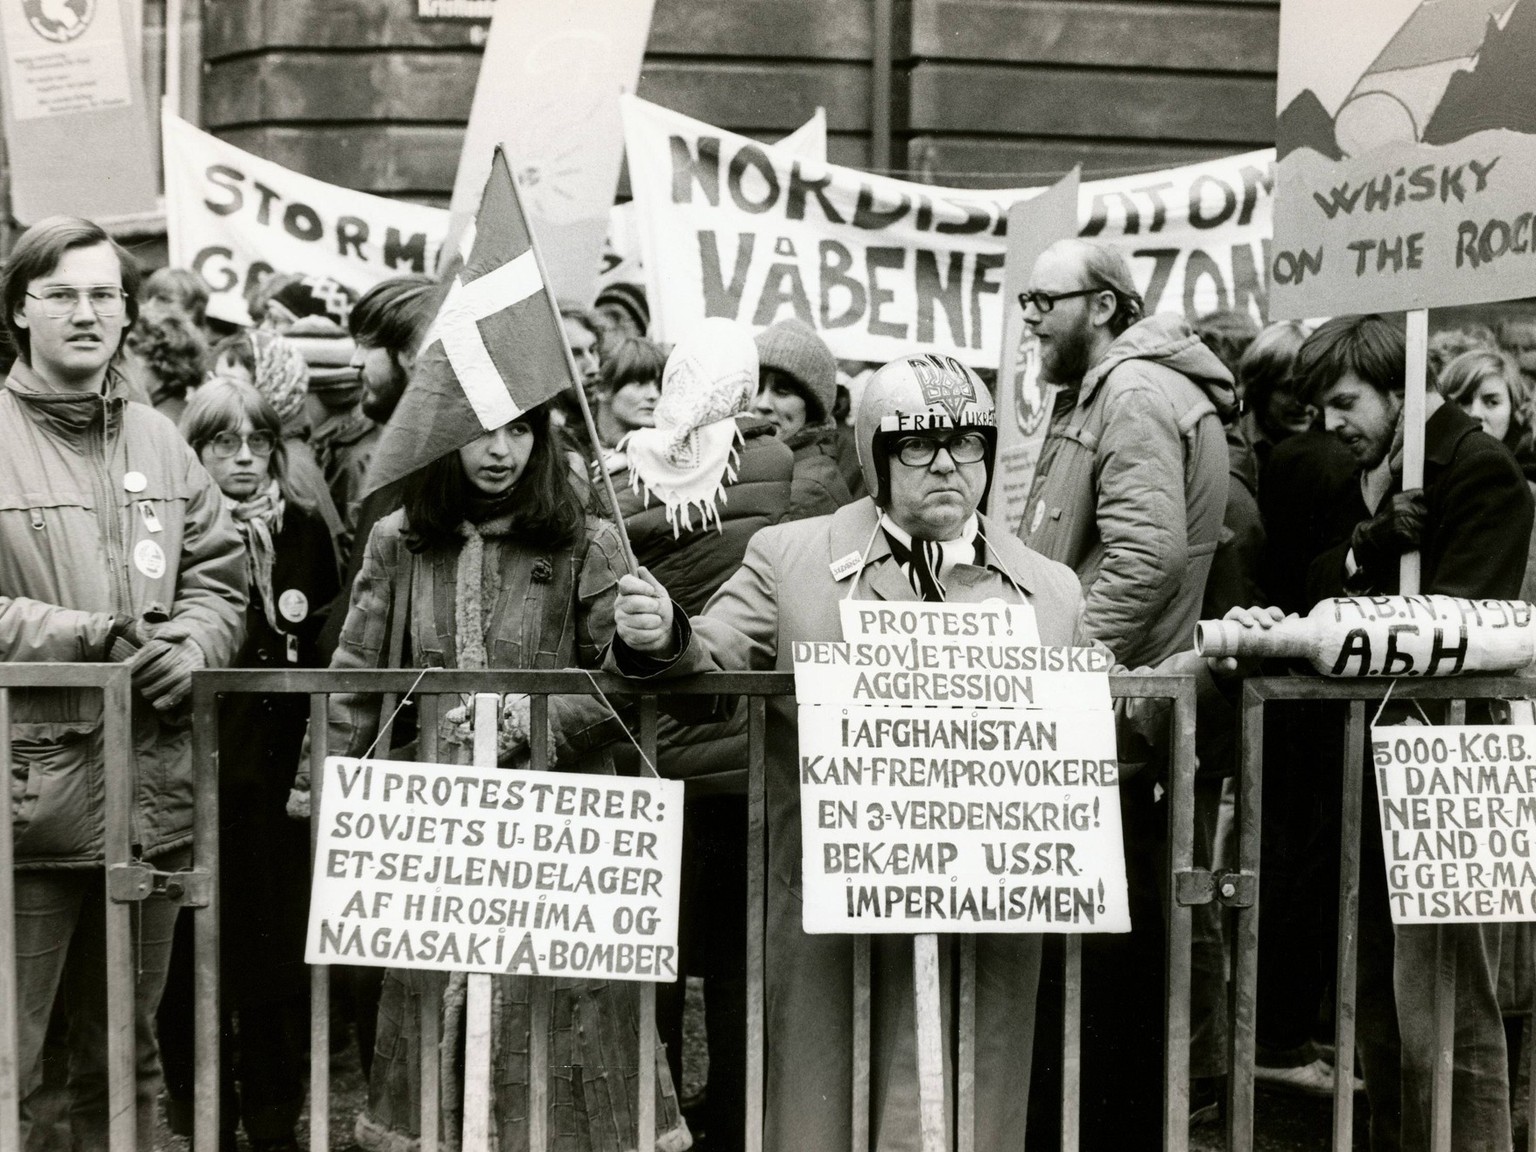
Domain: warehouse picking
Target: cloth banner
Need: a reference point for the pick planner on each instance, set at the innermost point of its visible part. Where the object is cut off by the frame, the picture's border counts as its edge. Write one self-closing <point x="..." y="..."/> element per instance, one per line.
<point x="732" y="227"/>
<point x="233" y="217"/>
<point x="549" y="81"/>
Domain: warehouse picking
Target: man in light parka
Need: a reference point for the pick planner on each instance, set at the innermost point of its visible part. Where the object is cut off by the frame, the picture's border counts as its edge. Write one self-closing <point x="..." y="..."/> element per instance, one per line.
<point x="926" y="434"/>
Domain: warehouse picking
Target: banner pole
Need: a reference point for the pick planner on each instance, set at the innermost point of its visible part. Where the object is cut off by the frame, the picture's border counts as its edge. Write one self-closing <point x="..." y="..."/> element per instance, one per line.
<point x="1415" y="373"/>
<point x="570" y="366"/>
<point x="175" y="16"/>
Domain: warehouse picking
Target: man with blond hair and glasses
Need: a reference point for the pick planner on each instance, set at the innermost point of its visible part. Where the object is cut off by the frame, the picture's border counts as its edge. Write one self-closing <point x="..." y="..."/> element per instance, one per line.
<point x="114" y="545"/>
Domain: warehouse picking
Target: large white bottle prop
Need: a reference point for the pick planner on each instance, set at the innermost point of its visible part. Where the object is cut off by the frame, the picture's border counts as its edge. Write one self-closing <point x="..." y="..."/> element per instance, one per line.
<point x="1388" y="636"/>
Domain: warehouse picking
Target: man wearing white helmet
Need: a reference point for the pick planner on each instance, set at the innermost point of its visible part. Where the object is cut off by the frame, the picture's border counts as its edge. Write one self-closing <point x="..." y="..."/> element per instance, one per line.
<point x="926" y="434"/>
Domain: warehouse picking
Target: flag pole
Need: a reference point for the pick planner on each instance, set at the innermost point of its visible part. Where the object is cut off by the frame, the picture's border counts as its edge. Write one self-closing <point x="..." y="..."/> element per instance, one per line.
<point x="570" y="366"/>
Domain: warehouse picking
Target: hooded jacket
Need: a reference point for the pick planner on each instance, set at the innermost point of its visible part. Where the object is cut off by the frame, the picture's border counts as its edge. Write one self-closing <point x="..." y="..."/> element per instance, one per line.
<point x="819" y="487"/>
<point x="82" y="540"/>
<point x="1131" y="487"/>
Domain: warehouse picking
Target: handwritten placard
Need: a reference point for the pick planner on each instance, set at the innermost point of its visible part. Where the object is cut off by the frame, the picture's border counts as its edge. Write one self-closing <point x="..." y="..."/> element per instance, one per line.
<point x="950" y="804"/>
<point x="1458" y="822"/>
<point x="484" y="870"/>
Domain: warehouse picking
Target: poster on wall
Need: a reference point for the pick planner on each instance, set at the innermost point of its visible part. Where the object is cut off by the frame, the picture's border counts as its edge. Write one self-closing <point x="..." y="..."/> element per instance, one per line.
<point x="76" y="125"/>
<point x="1406" y="146"/>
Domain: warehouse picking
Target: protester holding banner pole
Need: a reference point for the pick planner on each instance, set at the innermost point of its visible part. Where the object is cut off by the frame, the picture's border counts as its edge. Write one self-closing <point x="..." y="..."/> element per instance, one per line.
<point x="1470" y="523"/>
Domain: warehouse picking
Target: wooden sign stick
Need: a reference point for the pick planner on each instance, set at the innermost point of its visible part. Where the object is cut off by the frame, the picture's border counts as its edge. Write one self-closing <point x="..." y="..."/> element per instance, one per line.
<point x="930" y="1042"/>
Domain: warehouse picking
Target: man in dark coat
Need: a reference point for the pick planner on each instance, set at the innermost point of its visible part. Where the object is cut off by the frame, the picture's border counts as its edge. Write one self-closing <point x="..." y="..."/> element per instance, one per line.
<point x="1471" y="524"/>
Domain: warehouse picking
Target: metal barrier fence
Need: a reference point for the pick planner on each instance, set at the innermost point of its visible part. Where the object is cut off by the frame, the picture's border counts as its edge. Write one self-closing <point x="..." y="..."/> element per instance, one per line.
<point x="127" y="881"/>
<point x="1358" y="693"/>
<point x="429" y="690"/>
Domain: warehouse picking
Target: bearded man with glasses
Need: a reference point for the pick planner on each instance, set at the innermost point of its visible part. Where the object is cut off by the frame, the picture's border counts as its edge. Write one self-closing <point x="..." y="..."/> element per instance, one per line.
<point x="1129" y="492"/>
<point x="114" y="545"/>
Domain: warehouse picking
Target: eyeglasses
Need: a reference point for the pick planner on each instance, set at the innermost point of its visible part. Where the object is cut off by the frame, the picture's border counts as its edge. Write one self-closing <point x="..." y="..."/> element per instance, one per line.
<point x="227" y="444"/>
<point x="920" y="451"/>
<point x="61" y="302"/>
<point x="1045" y="301"/>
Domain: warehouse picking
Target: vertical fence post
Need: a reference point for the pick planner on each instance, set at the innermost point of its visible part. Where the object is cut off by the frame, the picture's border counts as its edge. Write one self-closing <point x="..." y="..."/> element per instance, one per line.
<point x="1351" y="811"/>
<point x="122" y="963"/>
<point x="1181" y="858"/>
<point x="538" y="995"/>
<point x="430" y="1062"/>
<point x="205" y="921"/>
<point x="10" y="1121"/>
<point x="757" y="913"/>
<point x="477" y="1005"/>
<point x="649" y="1037"/>
<point x="319" y="974"/>
<point x="1245" y="937"/>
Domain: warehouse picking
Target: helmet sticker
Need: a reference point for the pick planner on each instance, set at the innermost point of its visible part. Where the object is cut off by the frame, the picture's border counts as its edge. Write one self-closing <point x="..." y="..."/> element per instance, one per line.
<point x="945" y="383"/>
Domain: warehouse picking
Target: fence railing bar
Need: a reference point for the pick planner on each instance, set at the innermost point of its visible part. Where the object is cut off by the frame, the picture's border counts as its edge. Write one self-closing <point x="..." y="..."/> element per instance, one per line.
<point x="861" y="1043"/>
<point x="1181" y="858"/>
<point x="1351" y="810"/>
<point x="965" y="1072"/>
<point x="1072" y="1045"/>
<point x="1245" y="927"/>
<point x="649" y="1038"/>
<point x="319" y="974"/>
<point x="205" y="929"/>
<point x="10" y="1112"/>
<point x="757" y="891"/>
<point x="121" y="786"/>
<point x="428" y="711"/>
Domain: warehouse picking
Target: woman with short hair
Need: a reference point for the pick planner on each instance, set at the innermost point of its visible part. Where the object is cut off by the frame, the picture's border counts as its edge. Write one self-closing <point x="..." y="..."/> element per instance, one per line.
<point x="290" y="561"/>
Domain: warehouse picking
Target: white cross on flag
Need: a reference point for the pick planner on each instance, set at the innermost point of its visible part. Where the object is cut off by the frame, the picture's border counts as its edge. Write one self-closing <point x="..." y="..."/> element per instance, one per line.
<point x="495" y="349"/>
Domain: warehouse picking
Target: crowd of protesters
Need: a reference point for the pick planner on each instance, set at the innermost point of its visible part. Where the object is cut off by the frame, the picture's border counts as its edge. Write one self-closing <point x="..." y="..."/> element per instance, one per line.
<point x="180" y="493"/>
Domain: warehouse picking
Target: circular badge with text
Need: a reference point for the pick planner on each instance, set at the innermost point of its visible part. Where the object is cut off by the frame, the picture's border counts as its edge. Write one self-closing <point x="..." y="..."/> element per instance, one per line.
<point x="59" y="21"/>
<point x="149" y="559"/>
<point x="293" y="605"/>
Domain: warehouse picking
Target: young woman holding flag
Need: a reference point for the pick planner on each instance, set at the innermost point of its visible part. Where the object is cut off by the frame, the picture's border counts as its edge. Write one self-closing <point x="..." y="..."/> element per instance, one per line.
<point x="496" y="564"/>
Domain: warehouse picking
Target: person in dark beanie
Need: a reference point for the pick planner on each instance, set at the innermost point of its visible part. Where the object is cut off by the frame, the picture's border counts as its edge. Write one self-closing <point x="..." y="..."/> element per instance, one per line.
<point x="623" y="308"/>
<point x="796" y="393"/>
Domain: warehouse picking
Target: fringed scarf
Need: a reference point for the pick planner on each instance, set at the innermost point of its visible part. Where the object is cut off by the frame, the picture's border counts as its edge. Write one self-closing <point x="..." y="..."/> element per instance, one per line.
<point x="258" y="520"/>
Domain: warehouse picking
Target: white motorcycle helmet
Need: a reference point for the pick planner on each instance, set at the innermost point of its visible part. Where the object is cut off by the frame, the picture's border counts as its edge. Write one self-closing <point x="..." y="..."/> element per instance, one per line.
<point x="922" y="392"/>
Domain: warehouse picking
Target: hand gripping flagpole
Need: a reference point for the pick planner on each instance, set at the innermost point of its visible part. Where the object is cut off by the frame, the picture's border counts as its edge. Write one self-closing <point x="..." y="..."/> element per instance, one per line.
<point x="570" y="365"/>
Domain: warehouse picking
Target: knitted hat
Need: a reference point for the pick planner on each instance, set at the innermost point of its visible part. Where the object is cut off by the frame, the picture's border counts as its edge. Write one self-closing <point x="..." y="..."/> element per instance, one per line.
<point x="282" y="377"/>
<point x="631" y="299"/>
<point x="327" y="349"/>
<point x="317" y="296"/>
<point x="793" y="348"/>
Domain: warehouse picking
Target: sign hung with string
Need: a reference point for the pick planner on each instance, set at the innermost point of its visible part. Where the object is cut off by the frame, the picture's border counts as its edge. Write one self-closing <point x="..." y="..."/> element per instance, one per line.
<point x="955" y="776"/>
<point x="458" y="868"/>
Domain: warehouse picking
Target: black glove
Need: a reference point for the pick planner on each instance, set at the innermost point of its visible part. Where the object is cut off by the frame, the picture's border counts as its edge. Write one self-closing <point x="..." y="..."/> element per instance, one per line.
<point x="1397" y="528"/>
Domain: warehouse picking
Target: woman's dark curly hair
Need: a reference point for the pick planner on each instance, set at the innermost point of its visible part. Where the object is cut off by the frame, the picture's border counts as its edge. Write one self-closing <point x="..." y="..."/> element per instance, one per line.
<point x="172" y="349"/>
<point x="546" y="510"/>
